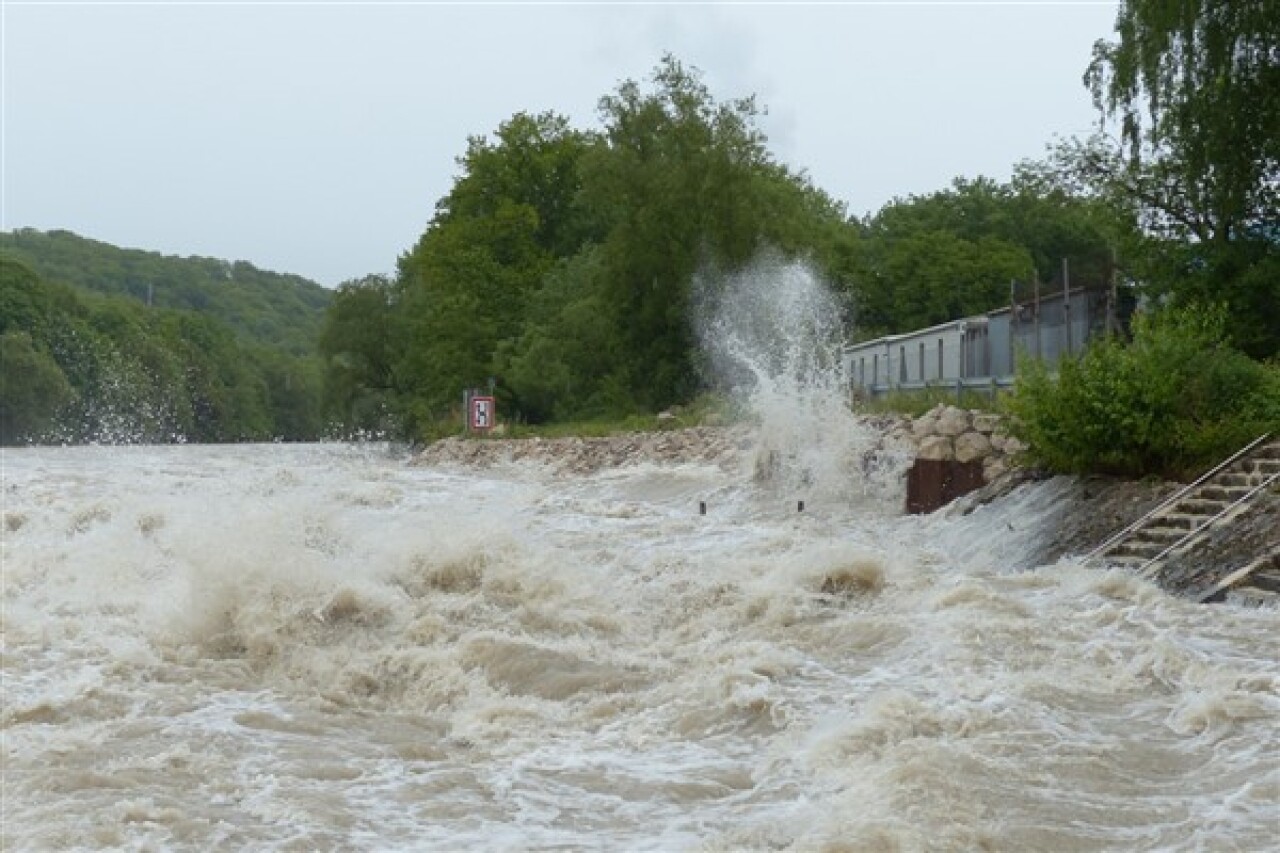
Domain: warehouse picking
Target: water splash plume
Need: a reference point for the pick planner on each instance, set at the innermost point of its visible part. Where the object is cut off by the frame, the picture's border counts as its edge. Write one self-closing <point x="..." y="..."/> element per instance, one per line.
<point x="772" y="335"/>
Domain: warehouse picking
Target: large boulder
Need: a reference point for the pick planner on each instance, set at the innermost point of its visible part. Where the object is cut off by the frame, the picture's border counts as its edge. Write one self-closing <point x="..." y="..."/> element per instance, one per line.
<point x="1012" y="446"/>
<point x="993" y="467"/>
<point x="953" y="421"/>
<point x="937" y="448"/>
<point x="925" y="425"/>
<point x="971" y="446"/>
<point x="986" y="422"/>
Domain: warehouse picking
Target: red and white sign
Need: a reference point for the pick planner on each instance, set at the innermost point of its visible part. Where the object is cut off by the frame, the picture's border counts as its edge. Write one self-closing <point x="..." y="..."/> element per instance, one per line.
<point x="483" y="413"/>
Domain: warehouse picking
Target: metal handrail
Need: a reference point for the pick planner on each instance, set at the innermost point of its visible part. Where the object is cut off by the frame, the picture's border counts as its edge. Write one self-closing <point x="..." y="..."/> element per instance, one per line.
<point x="1192" y="535"/>
<point x="1179" y="495"/>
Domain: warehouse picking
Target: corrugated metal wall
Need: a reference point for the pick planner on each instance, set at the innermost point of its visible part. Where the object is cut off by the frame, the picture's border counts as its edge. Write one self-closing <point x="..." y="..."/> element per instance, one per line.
<point x="980" y="351"/>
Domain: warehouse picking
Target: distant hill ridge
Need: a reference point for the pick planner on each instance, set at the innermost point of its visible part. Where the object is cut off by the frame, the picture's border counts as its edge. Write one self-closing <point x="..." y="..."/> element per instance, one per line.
<point x="283" y="311"/>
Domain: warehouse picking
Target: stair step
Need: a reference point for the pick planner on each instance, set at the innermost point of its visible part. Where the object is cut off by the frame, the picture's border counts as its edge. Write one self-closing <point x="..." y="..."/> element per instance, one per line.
<point x="1253" y="479"/>
<point x="1211" y="501"/>
<point x="1194" y="511"/>
<point x="1256" y="480"/>
<point x="1229" y="494"/>
<point x="1138" y="548"/>
<point x="1161" y="535"/>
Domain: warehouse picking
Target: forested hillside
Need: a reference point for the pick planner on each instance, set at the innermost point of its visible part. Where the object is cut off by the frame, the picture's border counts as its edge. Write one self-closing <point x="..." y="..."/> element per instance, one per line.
<point x="78" y="366"/>
<point x="100" y="343"/>
<point x="279" y="311"/>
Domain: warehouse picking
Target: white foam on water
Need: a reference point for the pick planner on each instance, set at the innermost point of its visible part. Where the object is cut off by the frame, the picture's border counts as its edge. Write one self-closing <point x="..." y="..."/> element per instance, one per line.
<point x="274" y="647"/>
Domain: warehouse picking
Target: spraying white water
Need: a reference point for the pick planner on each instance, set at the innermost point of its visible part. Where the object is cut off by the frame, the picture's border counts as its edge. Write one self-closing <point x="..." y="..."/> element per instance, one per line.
<point x="322" y="647"/>
<point x="773" y="332"/>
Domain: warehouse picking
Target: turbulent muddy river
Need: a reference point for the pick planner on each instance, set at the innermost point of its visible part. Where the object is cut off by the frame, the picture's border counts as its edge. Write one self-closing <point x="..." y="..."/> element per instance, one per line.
<point x="324" y="647"/>
<point x="327" y="647"/>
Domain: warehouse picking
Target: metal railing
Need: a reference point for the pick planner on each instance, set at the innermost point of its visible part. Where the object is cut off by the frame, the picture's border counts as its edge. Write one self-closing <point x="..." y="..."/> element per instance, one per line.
<point x="1179" y="495"/>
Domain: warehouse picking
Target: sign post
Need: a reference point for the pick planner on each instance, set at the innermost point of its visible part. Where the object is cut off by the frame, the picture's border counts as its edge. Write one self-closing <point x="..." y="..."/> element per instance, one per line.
<point x="481" y="413"/>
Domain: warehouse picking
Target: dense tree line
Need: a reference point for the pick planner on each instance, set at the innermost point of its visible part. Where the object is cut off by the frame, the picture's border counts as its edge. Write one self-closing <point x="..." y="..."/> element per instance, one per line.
<point x="928" y="259"/>
<point x="77" y="366"/>
<point x="562" y="263"/>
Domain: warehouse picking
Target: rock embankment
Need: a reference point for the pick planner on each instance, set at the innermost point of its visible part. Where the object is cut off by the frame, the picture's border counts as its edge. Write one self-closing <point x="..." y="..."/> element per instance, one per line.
<point x="722" y="446"/>
<point x="945" y="433"/>
<point x="951" y="434"/>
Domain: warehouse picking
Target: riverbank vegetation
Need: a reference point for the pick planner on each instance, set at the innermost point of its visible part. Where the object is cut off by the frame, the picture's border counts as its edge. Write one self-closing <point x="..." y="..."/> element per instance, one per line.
<point x="1169" y="402"/>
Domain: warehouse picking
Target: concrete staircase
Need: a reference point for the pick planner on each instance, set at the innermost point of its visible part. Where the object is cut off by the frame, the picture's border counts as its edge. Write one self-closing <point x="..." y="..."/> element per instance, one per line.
<point x="1256" y="584"/>
<point x="1212" y="500"/>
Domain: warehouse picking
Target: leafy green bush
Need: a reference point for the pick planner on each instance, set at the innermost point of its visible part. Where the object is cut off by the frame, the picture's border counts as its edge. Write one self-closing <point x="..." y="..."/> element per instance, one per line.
<point x="1169" y="403"/>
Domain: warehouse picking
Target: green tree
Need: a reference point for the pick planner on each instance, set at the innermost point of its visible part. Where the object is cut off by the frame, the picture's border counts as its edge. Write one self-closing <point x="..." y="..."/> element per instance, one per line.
<point x="1195" y="87"/>
<point x="227" y="392"/>
<point x="929" y="277"/>
<point x="561" y="365"/>
<point x="931" y="258"/>
<point x="294" y="394"/>
<point x="464" y="292"/>
<point x="359" y="343"/>
<point x="461" y="293"/>
<point x="33" y="389"/>
<point x="532" y="162"/>
<point x="277" y="310"/>
<point x="140" y="373"/>
<point x="683" y="182"/>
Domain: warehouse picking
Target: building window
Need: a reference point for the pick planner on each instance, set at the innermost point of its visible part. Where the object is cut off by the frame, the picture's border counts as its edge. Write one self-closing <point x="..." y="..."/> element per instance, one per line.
<point x="940" y="373"/>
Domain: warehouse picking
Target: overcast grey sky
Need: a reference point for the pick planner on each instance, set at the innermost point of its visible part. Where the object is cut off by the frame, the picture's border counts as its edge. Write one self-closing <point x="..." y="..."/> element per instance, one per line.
<point x="315" y="138"/>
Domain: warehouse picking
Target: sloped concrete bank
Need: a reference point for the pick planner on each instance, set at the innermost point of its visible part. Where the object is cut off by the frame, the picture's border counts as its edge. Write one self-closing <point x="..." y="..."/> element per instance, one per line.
<point x="1094" y="508"/>
<point x="1091" y="509"/>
